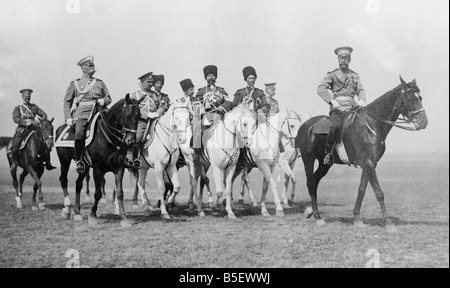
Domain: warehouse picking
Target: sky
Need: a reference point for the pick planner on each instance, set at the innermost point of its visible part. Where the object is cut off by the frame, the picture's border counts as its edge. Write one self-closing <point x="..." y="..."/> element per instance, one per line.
<point x="290" y="42"/>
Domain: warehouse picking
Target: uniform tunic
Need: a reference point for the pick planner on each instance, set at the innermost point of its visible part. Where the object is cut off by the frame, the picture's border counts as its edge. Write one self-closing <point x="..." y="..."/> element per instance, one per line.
<point x="274" y="108"/>
<point x="26" y="111"/>
<point x="258" y="98"/>
<point x="153" y="102"/>
<point x="343" y="87"/>
<point x="86" y="98"/>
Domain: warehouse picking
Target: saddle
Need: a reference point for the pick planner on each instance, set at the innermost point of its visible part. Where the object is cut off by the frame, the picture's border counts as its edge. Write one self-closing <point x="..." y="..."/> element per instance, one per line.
<point x="149" y="134"/>
<point x="323" y="126"/>
<point x="67" y="136"/>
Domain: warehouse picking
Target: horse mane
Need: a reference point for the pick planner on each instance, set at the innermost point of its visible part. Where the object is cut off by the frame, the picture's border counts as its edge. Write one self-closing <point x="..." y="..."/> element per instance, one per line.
<point x="117" y="107"/>
<point x="393" y="91"/>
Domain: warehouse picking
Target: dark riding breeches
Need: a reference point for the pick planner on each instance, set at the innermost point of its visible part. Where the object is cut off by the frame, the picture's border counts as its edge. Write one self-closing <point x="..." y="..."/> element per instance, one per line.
<point x="336" y="118"/>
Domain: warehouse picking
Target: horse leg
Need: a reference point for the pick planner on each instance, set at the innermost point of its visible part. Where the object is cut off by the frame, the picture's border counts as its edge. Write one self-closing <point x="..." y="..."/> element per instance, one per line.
<point x="228" y="183"/>
<point x="361" y="193"/>
<point x="205" y="181"/>
<point x="97" y="196"/>
<point x="294" y="182"/>
<point x="268" y="172"/>
<point x="65" y="164"/>
<point x="136" y="191"/>
<point x="159" y="170"/>
<point x="321" y="171"/>
<point x="39" y="172"/>
<point x="218" y="175"/>
<point x="119" y="178"/>
<point x="102" y="185"/>
<point x="36" y="186"/>
<point x="287" y="179"/>
<point x="78" y="187"/>
<point x="172" y="173"/>
<point x="373" y="178"/>
<point x="140" y="185"/>
<point x="87" y="197"/>
<point x="19" y="192"/>
<point x="194" y="183"/>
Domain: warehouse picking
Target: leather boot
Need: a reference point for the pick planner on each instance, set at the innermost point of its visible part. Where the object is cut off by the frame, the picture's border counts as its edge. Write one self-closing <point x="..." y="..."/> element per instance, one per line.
<point x="79" y="147"/>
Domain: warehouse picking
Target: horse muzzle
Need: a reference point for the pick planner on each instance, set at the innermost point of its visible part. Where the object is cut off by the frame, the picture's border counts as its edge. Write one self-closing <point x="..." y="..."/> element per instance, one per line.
<point x="420" y="121"/>
<point x="182" y="137"/>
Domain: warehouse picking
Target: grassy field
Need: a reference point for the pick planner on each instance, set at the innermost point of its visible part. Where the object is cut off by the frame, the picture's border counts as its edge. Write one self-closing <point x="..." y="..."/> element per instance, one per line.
<point x="417" y="197"/>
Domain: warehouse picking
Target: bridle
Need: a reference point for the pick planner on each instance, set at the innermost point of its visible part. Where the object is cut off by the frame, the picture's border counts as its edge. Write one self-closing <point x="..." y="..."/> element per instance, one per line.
<point x="407" y="116"/>
<point x="289" y="127"/>
<point x="110" y="131"/>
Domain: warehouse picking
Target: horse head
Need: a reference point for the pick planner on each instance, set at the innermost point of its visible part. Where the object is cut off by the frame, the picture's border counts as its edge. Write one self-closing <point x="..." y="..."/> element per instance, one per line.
<point x="244" y="122"/>
<point x="128" y="119"/>
<point x="46" y="129"/>
<point x="180" y="121"/>
<point x="410" y="104"/>
<point x="290" y="123"/>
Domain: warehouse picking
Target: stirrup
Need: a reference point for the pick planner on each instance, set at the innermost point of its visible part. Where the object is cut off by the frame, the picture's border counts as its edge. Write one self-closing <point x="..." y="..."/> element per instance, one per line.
<point x="329" y="159"/>
<point x="80" y="167"/>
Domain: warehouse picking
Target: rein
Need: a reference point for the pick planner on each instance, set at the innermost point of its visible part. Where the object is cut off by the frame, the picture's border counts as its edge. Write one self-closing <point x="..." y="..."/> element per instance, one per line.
<point x="108" y="129"/>
<point x="400" y="122"/>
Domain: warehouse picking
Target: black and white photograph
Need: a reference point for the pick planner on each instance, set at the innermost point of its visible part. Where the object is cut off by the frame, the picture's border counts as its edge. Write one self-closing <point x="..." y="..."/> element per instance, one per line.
<point x="224" y="134"/>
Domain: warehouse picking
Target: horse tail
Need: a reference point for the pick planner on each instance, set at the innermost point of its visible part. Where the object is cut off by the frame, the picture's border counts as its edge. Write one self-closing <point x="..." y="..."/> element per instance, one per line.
<point x="4" y="141"/>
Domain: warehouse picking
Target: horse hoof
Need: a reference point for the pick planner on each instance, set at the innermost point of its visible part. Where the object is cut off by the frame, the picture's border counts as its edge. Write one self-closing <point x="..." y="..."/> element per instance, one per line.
<point x="320" y="222"/>
<point x="241" y="202"/>
<point x="255" y="204"/>
<point x="231" y="216"/>
<point x="103" y="201"/>
<point x="19" y="206"/>
<point x="391" y="229"/>
<point x="165" y="216"/>
<point x="287" y="206"/>
<point x="87" y="199"/>
<point x="265" y="214"/>
<point x="65" y="215"/>
<point x="280" y="213"/>
<point x="34" y="208"/>
<point x="78" y="217"/>
<point x="136" y="207"/>
<point x="309" y="212"/>
<point x="92" y="221"/>
<point x="125" y="224"/>
<point x="201" y="214"/>
<point x="41" y="206"/>
<point x="116" y="211"/>
<point x="290" y="202"/>
<point x="359" y="224"/>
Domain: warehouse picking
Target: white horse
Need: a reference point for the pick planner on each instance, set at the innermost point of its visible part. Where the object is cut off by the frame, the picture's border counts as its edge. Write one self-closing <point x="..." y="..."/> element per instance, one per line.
<point x="291" y="122"/>
<point x="264" y="152"/>
<point x="223" y="148"/>
<point x="162" y="154"/>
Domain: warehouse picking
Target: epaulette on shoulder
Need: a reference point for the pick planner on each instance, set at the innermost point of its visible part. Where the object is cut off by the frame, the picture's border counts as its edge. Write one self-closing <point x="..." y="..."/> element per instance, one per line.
<point x="333" y="71"/>
<point x="352" y="71"/>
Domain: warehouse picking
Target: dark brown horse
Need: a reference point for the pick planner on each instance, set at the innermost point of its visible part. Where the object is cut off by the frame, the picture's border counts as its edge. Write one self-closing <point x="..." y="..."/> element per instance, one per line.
<point x="114" y="133"/>
<point x="31" y="159"/>
<point x="364" y="141"/>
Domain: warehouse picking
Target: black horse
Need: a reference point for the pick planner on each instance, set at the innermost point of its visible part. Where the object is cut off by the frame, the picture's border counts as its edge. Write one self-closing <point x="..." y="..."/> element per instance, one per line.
<point x="364" y="141"/>
<point x="114" y="133"/>
<point x="31" y="159"/>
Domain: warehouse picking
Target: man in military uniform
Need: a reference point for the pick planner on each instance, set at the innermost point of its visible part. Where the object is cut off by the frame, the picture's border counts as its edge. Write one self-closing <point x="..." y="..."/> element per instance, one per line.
<point x="211" y="101"/>
<point x="25" y="115"/>
<point x="154" y="105"/>
<point x="252" y="96"/>
<point x="158" y="84"/>
<point x="270" y="93"/>
<point x="186" y="100"/>
<point x="81" y="97"/>
<point x="338" y="89"/>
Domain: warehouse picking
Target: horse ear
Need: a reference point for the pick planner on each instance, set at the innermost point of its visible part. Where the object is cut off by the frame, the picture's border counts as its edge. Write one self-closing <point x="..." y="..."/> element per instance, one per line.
<point x="51" y="121"/>
<point x="127" y="99"/>
<point x="414" y="82"/>
<point x="402" y="81"/>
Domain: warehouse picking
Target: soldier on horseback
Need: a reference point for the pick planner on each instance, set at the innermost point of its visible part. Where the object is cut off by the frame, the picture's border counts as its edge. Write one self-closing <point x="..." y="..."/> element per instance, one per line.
<point x="209" y="104"/>
<point x="154" y="105"/>
<point x="339" y="88"/>
<point x="25" y="116"/>
<point x="81" y="97"/>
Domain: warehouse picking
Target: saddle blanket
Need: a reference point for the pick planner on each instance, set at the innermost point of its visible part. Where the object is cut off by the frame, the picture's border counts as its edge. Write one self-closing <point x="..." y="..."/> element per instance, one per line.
<point x="67" y="136"/>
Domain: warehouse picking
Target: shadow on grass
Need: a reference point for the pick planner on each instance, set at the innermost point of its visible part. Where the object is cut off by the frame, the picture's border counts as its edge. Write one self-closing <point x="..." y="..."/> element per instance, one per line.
<point x="381" y="222"/>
